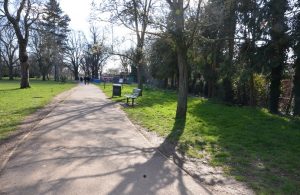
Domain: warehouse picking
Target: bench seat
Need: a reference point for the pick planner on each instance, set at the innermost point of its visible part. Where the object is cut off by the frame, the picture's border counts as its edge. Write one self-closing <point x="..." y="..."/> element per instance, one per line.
<point x="135" y="94"/>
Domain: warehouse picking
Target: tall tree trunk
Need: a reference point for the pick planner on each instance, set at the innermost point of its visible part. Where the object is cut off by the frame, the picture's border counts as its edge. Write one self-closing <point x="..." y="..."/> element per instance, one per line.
<point x="181" y="47"/>
<point x="209" y="88"/>
<point x="183" y="83"/>
<point x="96" y="73"/>
<point x="1" y="65"/>
<point x="76" y="74"/>
<point x="56" y="72"/>
<point x="193" y="85"/>
<point x="165" y="83"/>
<point x="278" y="48"/>
<point x="44" y="76"/>
<point x="173" y="82"/>
<point x="23" y="56"/>
<point x="11" y="72"/>
<point x="228" y="91"/>
<point x="140" y="67"/>
<point x="297" y="88"/>
<point x="140" y="76"/>
<point x="213" y="71"/>
<point x="276" y="75"/>
<point x="230" y="27"/>
<point x="251" y="91"/>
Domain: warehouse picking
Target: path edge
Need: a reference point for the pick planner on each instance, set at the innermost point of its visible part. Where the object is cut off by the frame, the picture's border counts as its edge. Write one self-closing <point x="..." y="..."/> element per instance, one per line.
<point x="9" y="145"/>
<point x="155" y="140"/>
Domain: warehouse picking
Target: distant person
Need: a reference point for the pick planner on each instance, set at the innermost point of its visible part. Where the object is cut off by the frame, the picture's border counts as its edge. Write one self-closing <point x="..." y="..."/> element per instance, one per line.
<point x="81" y="79"/>
<point x="88" y="80"/>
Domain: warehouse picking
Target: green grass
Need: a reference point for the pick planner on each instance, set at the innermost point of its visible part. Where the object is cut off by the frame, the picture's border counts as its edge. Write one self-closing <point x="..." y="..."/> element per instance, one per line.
<point x="256" y="147"/>
<point x="16" y="103"/>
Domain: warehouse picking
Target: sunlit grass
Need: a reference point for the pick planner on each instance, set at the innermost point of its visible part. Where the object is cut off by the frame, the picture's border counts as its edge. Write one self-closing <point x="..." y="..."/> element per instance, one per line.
<point x="256" y="147"/>
<point x="16" y="103"/>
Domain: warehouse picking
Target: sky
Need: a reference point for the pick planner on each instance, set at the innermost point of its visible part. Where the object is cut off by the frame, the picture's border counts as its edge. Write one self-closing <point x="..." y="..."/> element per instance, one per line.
<point x="79" y="12"/>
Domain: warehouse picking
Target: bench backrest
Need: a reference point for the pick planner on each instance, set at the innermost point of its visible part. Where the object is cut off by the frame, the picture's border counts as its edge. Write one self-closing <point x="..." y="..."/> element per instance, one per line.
<point x="136" y="92"/>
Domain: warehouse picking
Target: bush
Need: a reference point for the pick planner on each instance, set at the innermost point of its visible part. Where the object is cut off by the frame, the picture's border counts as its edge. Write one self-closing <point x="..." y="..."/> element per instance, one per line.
<point x="261" y="90"/>
<point x="63" y="79"/>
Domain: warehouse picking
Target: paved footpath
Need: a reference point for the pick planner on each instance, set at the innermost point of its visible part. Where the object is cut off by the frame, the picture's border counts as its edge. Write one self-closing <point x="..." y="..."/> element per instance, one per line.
<point x="87" y="145"/>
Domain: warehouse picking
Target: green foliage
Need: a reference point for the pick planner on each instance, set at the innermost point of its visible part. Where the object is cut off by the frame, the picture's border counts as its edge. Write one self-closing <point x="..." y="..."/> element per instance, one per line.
<point x="16" y="103"/>
<point x="296" y="47"/>
<point x="256" y="147"/>
<point x="163" y="59"/>
<point x="55" y="22"/>
<point x="242" y="88"/>
<point x="63" y="78"/>
<point x="261" y="86"/>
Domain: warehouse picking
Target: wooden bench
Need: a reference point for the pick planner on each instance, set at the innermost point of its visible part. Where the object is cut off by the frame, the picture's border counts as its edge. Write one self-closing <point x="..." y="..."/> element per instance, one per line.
<point x="135" y="94"/>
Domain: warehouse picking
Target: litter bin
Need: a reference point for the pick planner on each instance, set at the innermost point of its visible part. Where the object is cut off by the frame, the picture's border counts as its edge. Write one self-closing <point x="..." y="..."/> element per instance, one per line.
<point x="117" y="88"/>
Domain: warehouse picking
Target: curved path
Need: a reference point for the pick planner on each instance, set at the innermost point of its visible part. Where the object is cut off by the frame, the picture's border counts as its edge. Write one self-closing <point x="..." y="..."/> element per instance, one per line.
<point x="87" y="145"/>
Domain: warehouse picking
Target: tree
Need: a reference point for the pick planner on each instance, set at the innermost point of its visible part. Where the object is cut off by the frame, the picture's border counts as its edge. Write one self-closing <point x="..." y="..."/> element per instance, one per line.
<point x="183" y="41"/>
<point x="208" y="46"/>
<point x="277" y="49"/>
<point x="95" y="54"/>
<point x="25" y="16"/>
<point x="1" y="60"/>
<point x="296" y="36"/>
<point x="43" y="47"/>
<point x="128" y="64"/>
<point x="74" y="52"/>
<point x="55" y="25"/>
<point x="125" y="63"/>
<point x="98" y="53"/>
<point x="251" y="19"/>
<point x="1" y="65"/>
<point x="9" y="49"/>
<point x="229" y="28"/>
<point x="162" y="60"/>
<point x="136" y="16"/>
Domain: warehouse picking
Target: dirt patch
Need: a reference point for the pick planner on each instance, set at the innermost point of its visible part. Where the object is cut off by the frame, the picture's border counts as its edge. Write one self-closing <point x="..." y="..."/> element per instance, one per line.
<point x="8" y="144"/>
<point x="213" y="178"/>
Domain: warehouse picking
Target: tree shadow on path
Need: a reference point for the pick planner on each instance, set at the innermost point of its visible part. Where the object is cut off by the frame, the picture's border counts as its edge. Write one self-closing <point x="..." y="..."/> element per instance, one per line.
<point x="157" y="172"/>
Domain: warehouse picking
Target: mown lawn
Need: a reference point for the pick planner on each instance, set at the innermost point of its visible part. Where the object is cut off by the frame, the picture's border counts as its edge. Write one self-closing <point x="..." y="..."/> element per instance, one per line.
<point x="16" y="103"/>
<point x="256" y="147"/>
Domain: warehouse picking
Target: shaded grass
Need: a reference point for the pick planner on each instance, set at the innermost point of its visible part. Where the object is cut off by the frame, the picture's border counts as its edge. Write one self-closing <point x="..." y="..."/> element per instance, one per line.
<point x="16" y="103"/>
<point x="256" y="147"/>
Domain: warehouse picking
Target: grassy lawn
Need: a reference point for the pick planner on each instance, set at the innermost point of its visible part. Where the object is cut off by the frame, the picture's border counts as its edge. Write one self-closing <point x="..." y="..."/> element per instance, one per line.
<point x="16" y="103"/>
<point x="256" y="147"/>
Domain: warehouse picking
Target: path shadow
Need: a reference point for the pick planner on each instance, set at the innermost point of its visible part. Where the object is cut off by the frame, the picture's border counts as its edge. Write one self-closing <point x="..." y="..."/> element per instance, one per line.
<point x="81" y="155"/>
<point x="156" y="173"/>
<point x="149" y="177"/>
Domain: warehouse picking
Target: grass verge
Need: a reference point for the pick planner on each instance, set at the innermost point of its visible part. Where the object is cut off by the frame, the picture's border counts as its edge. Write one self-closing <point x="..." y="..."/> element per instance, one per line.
<point x="16" y="103"/>
<point x="252" y="145"/>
